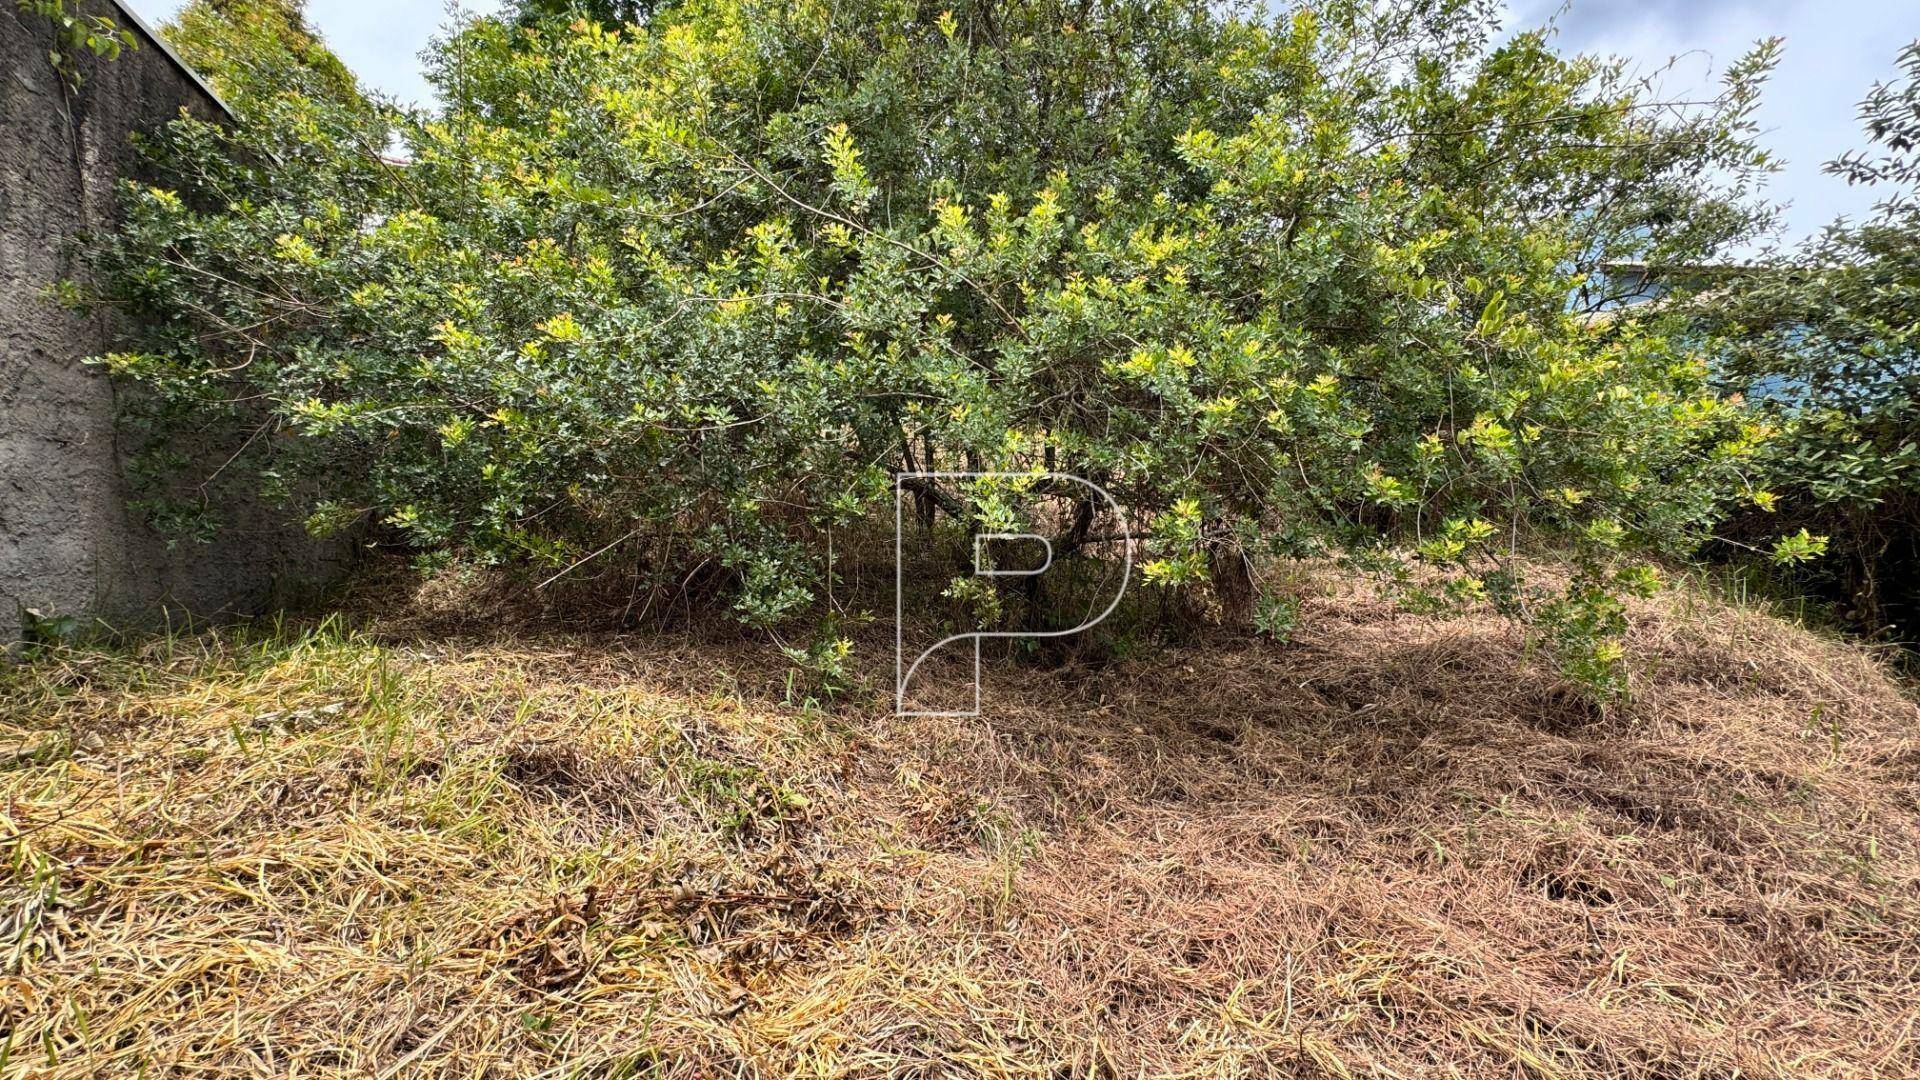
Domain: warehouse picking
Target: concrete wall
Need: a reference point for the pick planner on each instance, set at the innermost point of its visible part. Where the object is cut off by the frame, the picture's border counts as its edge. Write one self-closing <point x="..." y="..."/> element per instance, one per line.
<point x="69" y="543"/>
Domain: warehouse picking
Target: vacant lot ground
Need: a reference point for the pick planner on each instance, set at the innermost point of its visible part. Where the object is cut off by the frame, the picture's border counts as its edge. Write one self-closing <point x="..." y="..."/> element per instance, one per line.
<point x="1392" y="847"/>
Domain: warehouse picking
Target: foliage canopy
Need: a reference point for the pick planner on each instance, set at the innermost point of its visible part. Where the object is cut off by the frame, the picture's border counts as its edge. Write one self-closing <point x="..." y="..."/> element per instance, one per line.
<point x="254" y="51"/>
<point x="1828" y="341"/>
<point x="692" y="290"/>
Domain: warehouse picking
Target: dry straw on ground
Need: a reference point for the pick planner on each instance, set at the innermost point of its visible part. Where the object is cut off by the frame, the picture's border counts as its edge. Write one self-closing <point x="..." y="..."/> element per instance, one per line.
<point x="1393" y="847"/>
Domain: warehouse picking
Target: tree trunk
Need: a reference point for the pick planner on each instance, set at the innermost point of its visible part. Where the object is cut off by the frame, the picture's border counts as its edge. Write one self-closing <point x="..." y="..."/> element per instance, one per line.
<point x="1232" y="584"/>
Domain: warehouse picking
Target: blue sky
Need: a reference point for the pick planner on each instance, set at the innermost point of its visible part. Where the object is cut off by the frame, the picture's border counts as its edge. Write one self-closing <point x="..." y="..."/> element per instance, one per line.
<point x="1834" y="50"/>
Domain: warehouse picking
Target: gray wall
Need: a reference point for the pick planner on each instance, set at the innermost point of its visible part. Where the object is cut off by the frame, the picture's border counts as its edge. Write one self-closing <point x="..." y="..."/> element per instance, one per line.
<point x="69" y="543"/>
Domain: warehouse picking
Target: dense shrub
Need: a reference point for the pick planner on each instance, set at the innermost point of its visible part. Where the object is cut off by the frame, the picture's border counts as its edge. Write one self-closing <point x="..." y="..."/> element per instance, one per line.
<point x="681" y="297"/>
<point x="1828" y="343"/>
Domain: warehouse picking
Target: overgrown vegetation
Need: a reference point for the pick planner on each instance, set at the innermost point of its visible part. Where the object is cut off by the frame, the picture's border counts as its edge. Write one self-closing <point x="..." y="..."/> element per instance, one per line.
<point x="1829" y="343"/>
<point x="1392" y="846"/>
<point x="666" y="304"/>
<point x="647" y="317"/>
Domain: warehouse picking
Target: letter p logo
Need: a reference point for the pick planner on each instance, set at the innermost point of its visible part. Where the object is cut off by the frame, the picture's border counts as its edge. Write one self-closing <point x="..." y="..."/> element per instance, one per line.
<point x="1015" y="511"/>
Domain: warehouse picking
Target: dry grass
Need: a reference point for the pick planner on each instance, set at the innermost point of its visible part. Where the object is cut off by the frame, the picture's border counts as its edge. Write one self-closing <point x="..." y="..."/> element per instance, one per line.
<point x="1393" y="847"/>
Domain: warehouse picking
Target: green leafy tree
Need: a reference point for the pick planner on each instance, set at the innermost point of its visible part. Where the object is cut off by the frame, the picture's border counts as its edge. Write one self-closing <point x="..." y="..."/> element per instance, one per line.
<point x="1829" y="342"/>
<point x="255" y="50"/>
<point x="682" y="296"/>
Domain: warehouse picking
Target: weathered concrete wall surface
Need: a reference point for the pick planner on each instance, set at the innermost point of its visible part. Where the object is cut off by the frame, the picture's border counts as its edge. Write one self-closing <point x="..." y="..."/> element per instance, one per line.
<point x="69" y="542"/>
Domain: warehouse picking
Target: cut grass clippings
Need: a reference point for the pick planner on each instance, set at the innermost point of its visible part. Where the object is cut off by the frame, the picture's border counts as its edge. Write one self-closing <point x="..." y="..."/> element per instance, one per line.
<point x="1392" y="847"/>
